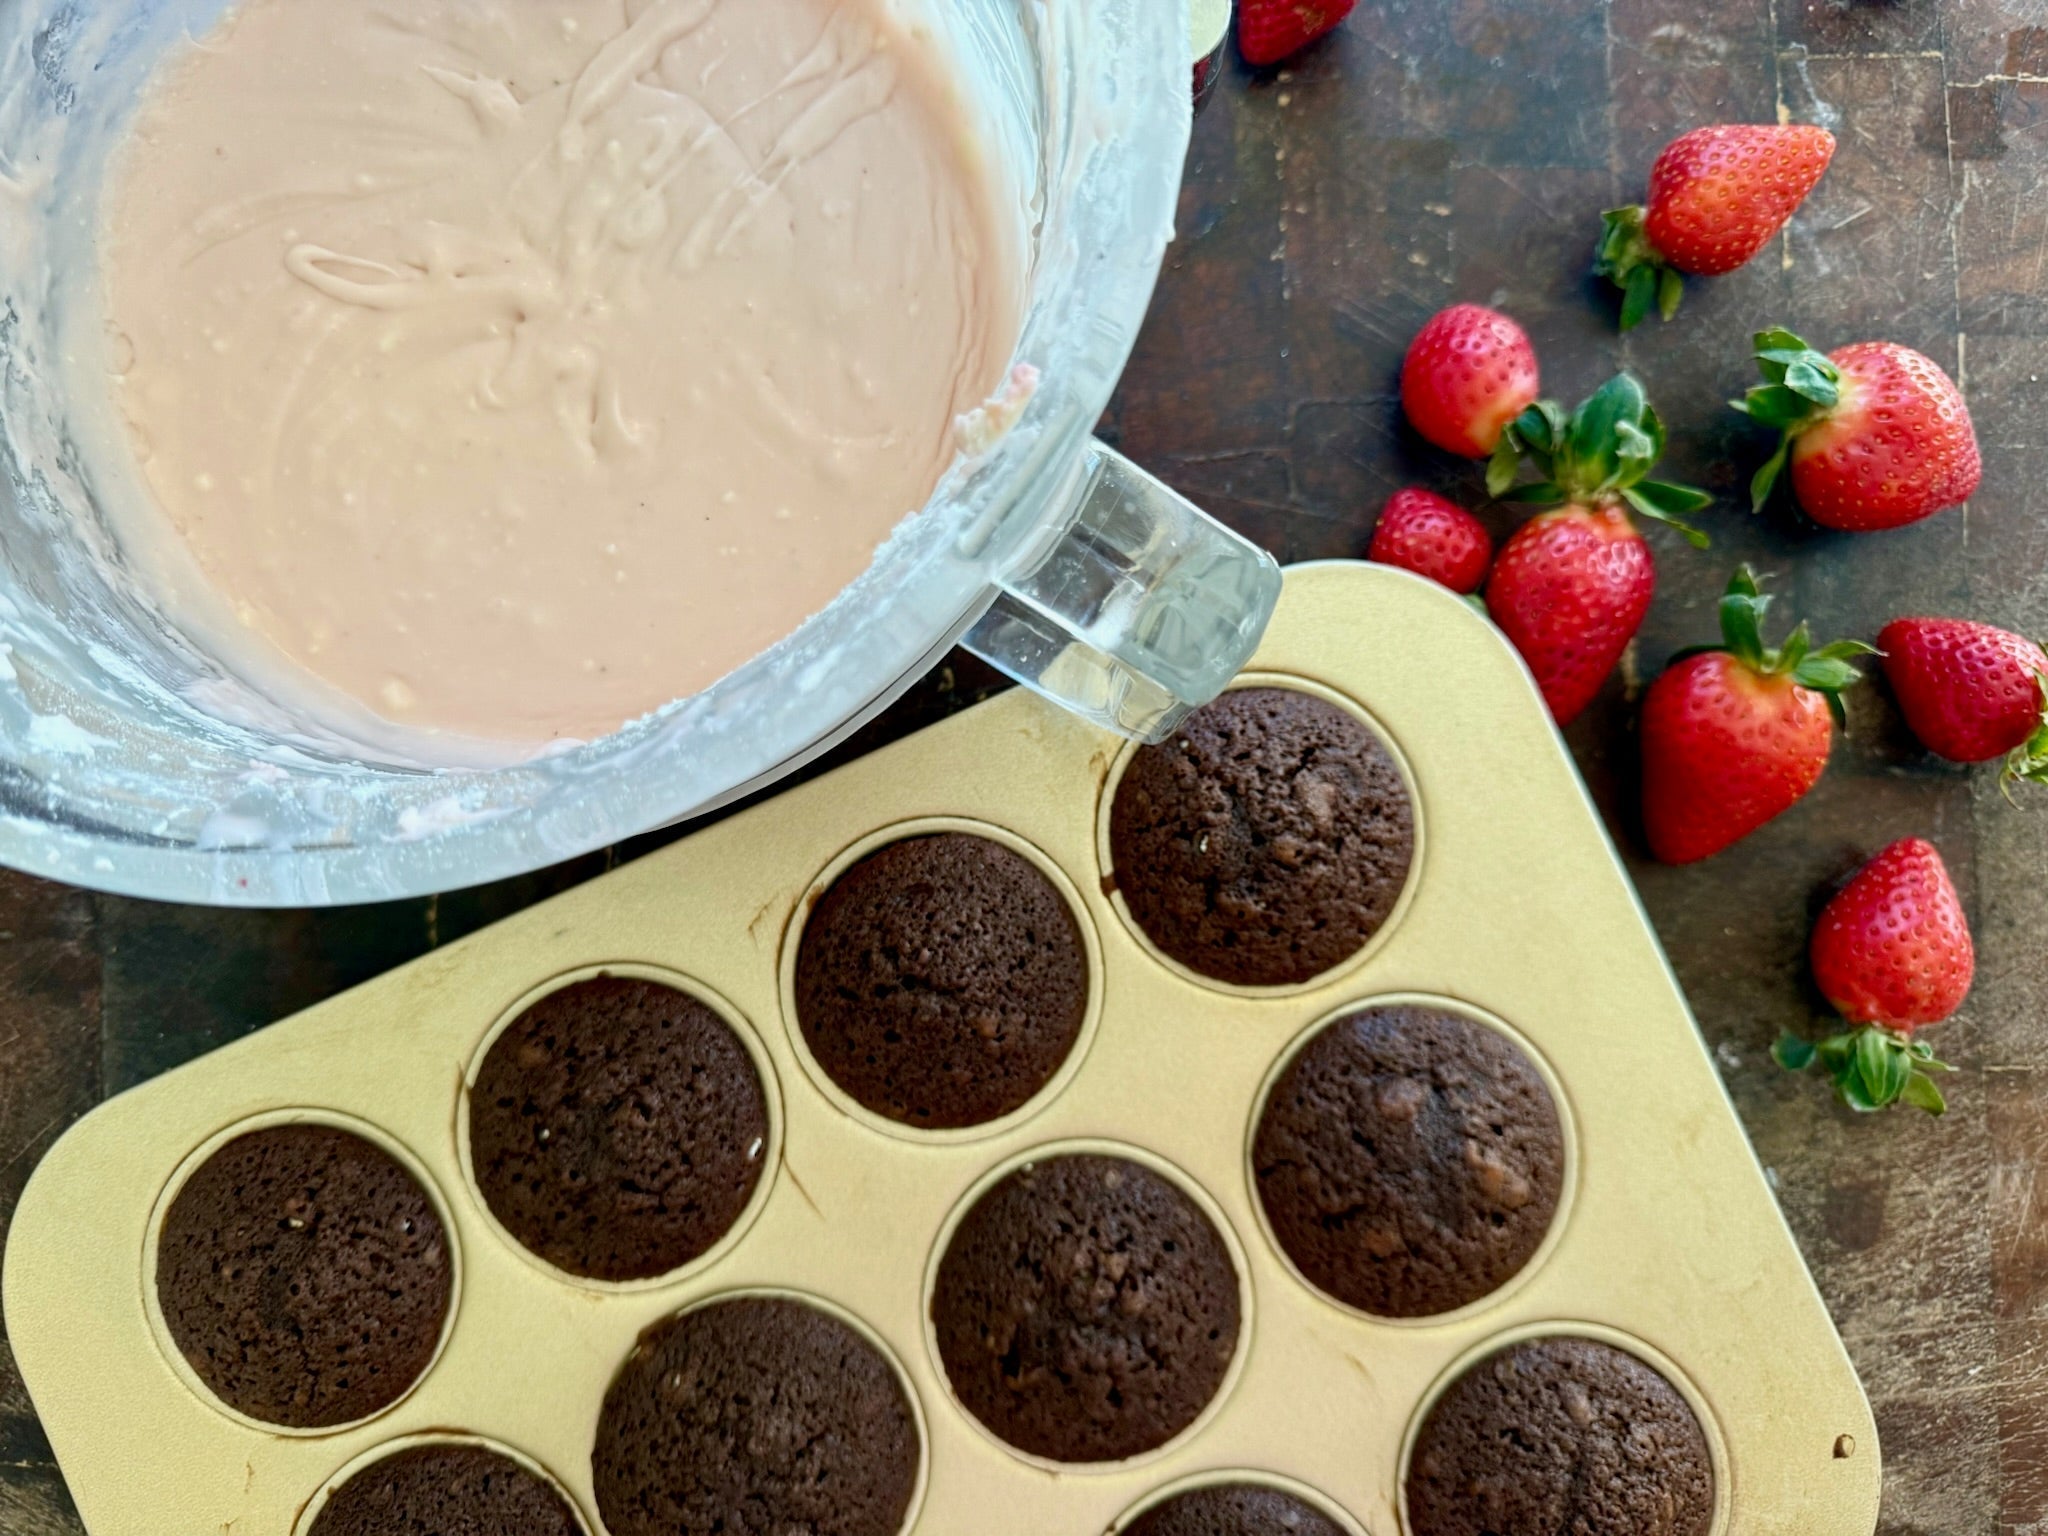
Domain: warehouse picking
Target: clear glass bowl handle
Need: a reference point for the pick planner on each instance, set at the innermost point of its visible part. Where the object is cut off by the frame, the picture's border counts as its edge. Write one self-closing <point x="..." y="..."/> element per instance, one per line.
<point x="1142" y="609"/>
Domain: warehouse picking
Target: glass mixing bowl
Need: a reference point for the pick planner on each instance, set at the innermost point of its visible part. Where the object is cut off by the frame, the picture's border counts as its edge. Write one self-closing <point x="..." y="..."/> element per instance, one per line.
<point x="132" y="762"/>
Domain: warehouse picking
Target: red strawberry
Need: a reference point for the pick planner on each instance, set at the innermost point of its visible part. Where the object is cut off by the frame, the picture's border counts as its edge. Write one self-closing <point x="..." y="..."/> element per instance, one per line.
<point x="1571" y="587"/>
<point x="1271" y="30"/>
<point x="1570" y="590"/>
<point x="1470" y="371"/>
<point x="1893" y="947"/>
<point x="1971" y="692"/>
<point x="1877" y="435"/>
<point x="1735" y="736"/>
<point x="1717" y="197"/>
<point x="1422" y="532"/>
<point x="1892" y="952"/>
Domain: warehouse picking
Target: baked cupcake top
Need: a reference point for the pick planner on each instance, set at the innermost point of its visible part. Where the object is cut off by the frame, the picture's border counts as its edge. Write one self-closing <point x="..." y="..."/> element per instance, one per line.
<point x="305" y="1276"/>
<point x="942" y="981"/>
<point x="756" y="1416"/>
<point x="1086" y="1309"/>
<point x="618" y="1128"/>
<point x="1410" y="1161"/>
<point x="446" y="1490"/>
<point x="1236" y="1509"/>
<point x="1561" y="1434"/>
<point x="1264" y="843"/>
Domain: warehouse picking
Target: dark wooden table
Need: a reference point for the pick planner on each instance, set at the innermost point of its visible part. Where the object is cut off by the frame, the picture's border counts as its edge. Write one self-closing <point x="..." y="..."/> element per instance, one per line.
<point x="1439" y="150"/>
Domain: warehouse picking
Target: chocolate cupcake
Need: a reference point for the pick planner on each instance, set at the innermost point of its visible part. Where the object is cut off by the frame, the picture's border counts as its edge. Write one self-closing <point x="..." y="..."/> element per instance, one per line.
<point x="1086" y="1310"/>
<point x="305" y="1276"/>
<point x="618" y="1129"/>
<point x="446" y="1490"/>
<point x="1561" y="1434"/>
<point x="1266" y="841"/>
<point x="756" y="1417"/>
<point x="1238" y="1509"/>
<point x="1410" y="1161"/>
<point x="942" y="981"/>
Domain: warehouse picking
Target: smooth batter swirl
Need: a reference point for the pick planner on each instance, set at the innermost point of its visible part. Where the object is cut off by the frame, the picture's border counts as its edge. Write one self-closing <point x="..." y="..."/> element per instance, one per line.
<point x="517" y="367"/>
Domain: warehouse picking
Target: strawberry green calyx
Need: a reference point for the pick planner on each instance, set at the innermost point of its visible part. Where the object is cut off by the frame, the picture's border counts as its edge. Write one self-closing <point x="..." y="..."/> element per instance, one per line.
<point x="2029" y="761"/>
<point x="1826" y="669"/>
<point x="1801" y="389"/>
<point x="1871" y="1068"/>
<point x="1635" y="266"/>
<point x="1598" y="455"/>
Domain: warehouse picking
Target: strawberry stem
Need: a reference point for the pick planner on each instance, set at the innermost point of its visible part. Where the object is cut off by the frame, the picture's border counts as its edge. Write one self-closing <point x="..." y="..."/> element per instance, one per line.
<point x="1670" y="292"/>
<point x="1801" y="388"/>
<point x="1826" y="669"/>
<point x="2029" y="761"/>
<point x="1626" y="258"/>
<point x="1601" y="453"/>
<point x="1870" y="1068"/>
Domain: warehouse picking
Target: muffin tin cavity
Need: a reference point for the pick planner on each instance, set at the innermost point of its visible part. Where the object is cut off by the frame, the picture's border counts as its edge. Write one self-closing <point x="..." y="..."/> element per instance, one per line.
<point x="756" y="1415"/>
<point x="1561" y="1431"/>
<point x="1087" y="1309"/>
<point x="1409" y="1160"/>
<point x="1232" y="1506"/>
<point x="1268" y="842"/>
<point x="302" y="1273"/>
<point x="442" y="1486"/>
<point x="942" y="981"/>
<point x="619" y="1127"/>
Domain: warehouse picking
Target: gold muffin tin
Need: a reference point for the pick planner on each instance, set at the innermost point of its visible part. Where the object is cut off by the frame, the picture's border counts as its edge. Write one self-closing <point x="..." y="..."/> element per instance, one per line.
<point x="1668" y="1241"/>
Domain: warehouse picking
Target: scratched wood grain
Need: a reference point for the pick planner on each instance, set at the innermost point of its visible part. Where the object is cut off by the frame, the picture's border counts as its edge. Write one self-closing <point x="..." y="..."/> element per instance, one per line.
<point x="1438" y="150"/>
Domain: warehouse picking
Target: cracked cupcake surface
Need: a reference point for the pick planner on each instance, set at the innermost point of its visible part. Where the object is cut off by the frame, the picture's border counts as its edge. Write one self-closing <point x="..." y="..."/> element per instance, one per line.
<point x="1237" y="1509"/>
<point x="618" y="1129"/>
<point x="446" y="1490"/>
<point x="305" y="1276"/>
<point x="1266" y="841"/>
<point x="942" y="981"/>
<point x="756" y="1416"/>
<point x="1561" y="1434"/>
<point x="1410" y="1161"/>
<point x="1086" y="1309"/>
